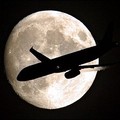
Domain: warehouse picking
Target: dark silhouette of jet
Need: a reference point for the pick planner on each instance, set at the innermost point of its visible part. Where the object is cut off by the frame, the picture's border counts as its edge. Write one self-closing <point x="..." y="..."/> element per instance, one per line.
<point x="69" y="63"/>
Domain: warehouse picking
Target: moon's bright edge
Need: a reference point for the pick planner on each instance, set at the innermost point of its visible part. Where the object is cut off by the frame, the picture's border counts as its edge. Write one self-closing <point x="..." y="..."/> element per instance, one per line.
<point x="53" y="34"/>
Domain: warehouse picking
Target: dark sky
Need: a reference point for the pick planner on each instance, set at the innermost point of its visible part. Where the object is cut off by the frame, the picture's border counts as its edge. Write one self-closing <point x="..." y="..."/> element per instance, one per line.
<point x="102" y="101"/>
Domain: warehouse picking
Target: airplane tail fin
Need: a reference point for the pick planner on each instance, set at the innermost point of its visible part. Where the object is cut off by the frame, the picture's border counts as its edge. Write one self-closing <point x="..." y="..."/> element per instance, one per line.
<point x="39" y="56"/>
<point x="108" y="36"/>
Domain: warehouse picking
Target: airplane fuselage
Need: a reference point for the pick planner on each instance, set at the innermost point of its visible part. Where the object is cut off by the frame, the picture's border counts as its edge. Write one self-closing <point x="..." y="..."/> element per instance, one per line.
<point x="63" y="63"/>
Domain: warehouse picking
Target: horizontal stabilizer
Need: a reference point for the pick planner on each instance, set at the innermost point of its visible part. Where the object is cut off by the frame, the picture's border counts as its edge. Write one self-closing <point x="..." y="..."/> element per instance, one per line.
<point x="39" y="56"/>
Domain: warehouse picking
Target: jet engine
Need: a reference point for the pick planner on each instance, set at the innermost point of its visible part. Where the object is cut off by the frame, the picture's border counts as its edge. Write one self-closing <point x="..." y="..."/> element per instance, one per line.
<point x="72" y="73"/>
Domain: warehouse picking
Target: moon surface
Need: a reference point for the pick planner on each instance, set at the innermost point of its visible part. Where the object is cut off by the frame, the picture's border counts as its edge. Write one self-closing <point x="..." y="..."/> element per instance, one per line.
<point x="52" y="33"/>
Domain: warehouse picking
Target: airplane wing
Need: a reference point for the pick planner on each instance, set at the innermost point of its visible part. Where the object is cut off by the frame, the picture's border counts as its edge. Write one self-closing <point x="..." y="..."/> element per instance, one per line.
<point x="39" y="56"/>
<point x="93" y="67"/>
<point x="84" y="68"/>
<point x="96" y="67"/>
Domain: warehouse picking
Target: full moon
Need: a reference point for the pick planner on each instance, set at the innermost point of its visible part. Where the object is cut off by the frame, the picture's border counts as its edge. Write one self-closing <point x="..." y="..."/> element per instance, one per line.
<point x="52" y="33"/>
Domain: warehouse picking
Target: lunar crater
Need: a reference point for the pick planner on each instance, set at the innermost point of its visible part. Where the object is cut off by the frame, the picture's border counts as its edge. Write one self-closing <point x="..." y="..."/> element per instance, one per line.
<point x="82" y="35"/>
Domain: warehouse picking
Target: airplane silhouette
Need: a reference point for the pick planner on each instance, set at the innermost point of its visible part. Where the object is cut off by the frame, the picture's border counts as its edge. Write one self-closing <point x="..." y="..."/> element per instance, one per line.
<point x="69" y="63"/>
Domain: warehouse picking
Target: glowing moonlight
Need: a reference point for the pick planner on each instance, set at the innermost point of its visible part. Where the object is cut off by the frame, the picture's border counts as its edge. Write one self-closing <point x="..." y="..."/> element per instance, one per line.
<point x="53" y="34"/>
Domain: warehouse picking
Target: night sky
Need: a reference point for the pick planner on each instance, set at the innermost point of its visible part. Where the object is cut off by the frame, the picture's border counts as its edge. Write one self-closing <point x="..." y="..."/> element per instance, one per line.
<point x="102" y="101"/>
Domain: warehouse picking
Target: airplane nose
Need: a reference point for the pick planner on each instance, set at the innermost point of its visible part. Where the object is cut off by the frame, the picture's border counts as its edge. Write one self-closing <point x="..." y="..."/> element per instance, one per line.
<point x="22" y="76"/>
<point x="19" y="78"/>
<point x="26" y="74"/>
